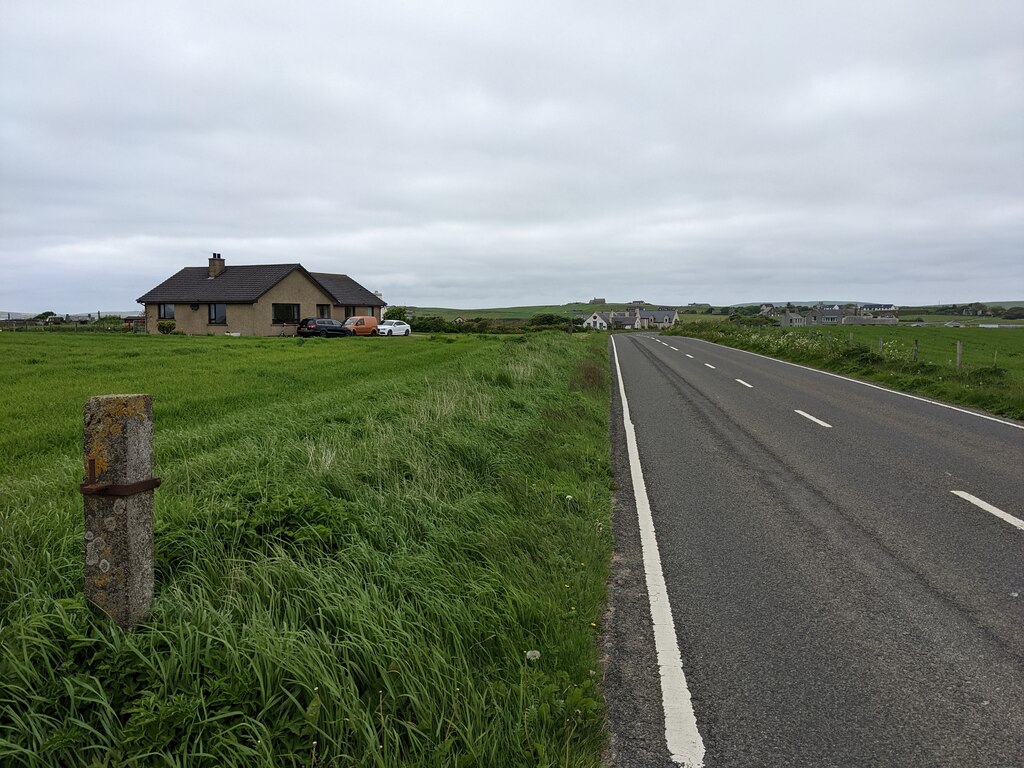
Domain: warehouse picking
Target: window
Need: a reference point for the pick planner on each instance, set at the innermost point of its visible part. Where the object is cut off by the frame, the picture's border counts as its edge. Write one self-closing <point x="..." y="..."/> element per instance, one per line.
<point x="285" y="313"/>
<point x="218" y="314"/>
<point x="323" y="311"/>
<point x="165" y="311"/>
<point x="349" y="311"/>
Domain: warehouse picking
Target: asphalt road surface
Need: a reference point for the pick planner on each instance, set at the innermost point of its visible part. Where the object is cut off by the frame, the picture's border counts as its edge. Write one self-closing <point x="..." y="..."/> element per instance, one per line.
<point x="843" y="588"/>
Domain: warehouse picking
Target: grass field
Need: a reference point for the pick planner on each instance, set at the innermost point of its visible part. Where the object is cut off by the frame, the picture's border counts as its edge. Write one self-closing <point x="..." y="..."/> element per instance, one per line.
<point x="357" y="541"/>
<point x="991" y="376"/>
<point x="982" y="347"/>
<point x="968" y="320"/>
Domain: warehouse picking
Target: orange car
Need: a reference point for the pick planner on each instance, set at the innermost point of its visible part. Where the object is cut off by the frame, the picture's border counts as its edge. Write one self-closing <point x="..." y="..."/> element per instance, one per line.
<point x="362" y="325"/>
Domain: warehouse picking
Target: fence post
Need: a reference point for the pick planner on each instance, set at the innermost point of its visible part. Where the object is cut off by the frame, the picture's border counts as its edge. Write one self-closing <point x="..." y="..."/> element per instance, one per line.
<point x="959" y="353"/>
<point x="881" y="344"/>
<point x="118" y="502"/>
<point x="915" y="350"/>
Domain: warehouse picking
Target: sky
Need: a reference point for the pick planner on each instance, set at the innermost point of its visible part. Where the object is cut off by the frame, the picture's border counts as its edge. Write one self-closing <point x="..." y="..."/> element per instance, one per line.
<point x="487" y="154"/>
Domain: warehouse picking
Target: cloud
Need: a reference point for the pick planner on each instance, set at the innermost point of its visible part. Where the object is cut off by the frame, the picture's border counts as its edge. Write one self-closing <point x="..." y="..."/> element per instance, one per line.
<point x="516" y="153"/>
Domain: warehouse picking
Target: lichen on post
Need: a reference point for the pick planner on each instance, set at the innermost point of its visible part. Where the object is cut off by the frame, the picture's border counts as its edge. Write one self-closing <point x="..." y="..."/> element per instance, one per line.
<point x="118" y="494"/>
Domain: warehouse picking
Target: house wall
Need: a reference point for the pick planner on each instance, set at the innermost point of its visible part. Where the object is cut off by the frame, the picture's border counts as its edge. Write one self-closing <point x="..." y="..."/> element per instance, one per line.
<point x="254" y="319"/>
<point x="861" y="320"/>
<point x="342" y="313"/>
<point x="294" y="289"/>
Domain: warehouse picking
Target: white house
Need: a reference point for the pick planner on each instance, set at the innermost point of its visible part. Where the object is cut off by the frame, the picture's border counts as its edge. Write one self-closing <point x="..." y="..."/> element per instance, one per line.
<point x="598" y="321"/>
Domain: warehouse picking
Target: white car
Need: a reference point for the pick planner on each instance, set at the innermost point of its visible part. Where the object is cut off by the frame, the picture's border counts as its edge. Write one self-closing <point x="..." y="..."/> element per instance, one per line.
<point x="394" y="328"/>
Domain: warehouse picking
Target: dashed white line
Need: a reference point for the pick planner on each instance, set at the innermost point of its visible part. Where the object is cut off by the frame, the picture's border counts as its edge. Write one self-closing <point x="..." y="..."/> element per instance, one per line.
<point x="1015" y="522"/>
<point x="816" y="421"/>
<point x="741" y="381"/>
<point x="681" y="734"/>
<point x="709" y="365"/>
<point x="868" y="384"/>
<point x="673" y="348"/>
<point x="688" y="355"/>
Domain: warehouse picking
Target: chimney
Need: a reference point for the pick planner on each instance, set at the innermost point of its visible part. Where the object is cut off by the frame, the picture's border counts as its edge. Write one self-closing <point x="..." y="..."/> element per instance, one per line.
<point x="216" y="265"/>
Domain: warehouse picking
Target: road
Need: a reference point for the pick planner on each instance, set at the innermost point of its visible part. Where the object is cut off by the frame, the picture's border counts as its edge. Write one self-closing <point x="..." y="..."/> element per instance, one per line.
<point x="843" y="588"/>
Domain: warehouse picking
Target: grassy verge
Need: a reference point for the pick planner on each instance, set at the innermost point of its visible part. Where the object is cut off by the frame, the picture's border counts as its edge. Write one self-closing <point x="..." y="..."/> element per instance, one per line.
<point x="991" y="377"/>
<point x="357" y="541"/>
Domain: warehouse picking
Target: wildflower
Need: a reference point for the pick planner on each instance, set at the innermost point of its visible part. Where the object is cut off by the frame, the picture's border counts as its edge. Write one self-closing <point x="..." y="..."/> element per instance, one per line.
<point x="532" y="655"/>
<point x="568" y="498"/>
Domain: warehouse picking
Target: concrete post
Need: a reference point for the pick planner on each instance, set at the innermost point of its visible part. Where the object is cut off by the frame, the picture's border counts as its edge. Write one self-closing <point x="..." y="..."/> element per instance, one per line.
<point x="118" y="493"/>
<point x="959" y="353"/>
<point x="915" y="350"/>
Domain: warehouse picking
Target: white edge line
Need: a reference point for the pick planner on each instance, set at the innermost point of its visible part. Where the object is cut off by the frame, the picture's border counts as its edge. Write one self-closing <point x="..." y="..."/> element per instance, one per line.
<point x="989" y="508"/>
<point x="741" y="381"/>
<point x="816" y="421"/>
<point x="864" y="384"/>
<point x="681" y="735"/>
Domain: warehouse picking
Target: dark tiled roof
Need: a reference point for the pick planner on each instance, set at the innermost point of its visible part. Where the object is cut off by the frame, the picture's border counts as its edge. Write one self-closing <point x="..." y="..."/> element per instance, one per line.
<point x="658" y="316"/>
<point x="235" y="285"/>
<point x="347" y="291"/>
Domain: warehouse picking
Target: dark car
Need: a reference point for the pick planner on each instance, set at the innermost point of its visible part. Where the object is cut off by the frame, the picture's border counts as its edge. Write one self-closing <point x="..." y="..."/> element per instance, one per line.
<point x="317" y="326"/>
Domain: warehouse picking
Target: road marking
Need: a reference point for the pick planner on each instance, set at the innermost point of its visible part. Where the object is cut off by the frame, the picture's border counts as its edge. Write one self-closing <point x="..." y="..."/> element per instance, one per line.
<point x="868" y="384"/>
<point x="989" y="508"/>
<point x="741" y="381"/>
<point x="688" y="355"/>
<point x="816" y="421"/>
<point x="681" y="734"/>
<point x="709" y="365"/>
<point x="672" y="348"/>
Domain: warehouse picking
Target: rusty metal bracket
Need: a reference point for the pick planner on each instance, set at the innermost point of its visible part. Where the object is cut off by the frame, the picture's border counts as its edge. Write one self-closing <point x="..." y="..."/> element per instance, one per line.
<point x="91" y="488"/>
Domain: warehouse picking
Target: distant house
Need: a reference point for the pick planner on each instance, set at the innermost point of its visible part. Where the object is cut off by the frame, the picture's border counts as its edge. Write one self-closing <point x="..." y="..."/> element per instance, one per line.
<point x="791" y="320"/>
<point x="659" y="318"/>
<point x="626" y="322"/>
<point x="253" y="300"/>
<point x="597" y="300"/>
<point x="599" y="321"/>
<point x="832" y="314"/>
<point x="868" y="320"/>
<point x="877" y="310"/>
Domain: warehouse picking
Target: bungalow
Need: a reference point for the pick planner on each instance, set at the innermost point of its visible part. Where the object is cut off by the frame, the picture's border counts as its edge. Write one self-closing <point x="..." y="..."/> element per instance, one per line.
<point x="599" y="321"/>
<point x="825" y="315"/>
<point x="628" y="322"/>
<point x="253" y="300"/>
<point x="659" y="318"/>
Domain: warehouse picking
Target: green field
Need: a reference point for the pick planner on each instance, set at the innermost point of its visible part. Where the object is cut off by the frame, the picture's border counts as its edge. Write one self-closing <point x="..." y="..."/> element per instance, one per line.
<point x="357" y="541"/>
<point x="991" y="375"/>
<point x="982" y="347"/>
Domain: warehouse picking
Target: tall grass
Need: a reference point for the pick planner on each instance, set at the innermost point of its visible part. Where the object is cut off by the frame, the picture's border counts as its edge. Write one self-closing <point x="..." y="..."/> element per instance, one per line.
<point x="357" y="542"/>
<point x="991" y="377"/>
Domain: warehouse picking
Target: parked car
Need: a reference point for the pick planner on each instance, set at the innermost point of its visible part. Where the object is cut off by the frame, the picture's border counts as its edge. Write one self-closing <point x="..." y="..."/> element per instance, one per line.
<point x="320" y="326"/>
<point x="394" y="328"/>
<point x="362" y="325"/>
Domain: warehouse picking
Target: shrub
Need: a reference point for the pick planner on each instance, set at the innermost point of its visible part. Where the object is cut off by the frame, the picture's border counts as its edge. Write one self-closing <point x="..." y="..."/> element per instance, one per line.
<point x="165" y="326"/>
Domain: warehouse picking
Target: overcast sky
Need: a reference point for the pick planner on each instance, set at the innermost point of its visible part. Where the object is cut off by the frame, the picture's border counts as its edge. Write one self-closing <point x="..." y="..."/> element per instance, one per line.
<point x="474" y="154"/>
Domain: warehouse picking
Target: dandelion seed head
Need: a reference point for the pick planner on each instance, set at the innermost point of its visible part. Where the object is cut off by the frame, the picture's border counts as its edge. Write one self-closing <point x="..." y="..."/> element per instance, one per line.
<point x="532" y="655"/>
